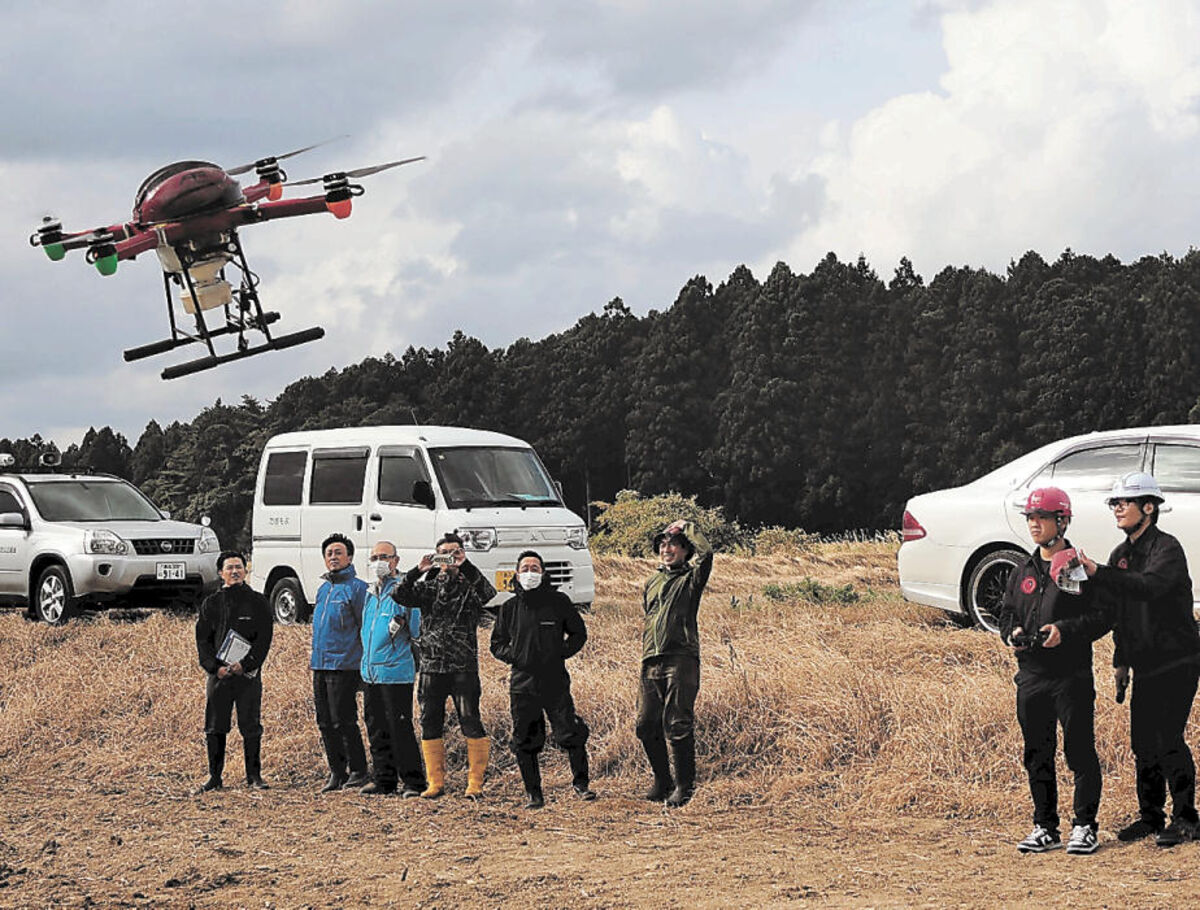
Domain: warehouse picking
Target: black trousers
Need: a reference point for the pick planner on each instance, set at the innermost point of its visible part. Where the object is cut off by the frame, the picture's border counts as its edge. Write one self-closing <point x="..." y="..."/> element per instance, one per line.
<point x="432" y="691"/>
<point x="335" y="696"/>
<point x="1158" y="714"/>
<point x="535" y="697"/>
<point x="388" y="712"/>
<point x="667" y="708"/>
<point x="222" y="695"/>
<point x="1043" y="703"/>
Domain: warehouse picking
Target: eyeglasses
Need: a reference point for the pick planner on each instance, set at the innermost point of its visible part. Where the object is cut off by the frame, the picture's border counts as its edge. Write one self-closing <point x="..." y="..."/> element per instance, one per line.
<point x="1118" y="504"/>
<point x="377" y="557"/>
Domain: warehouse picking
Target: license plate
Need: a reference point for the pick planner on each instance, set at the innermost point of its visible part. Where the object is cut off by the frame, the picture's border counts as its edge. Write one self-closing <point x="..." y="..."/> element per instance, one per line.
<point x="504" y="580"/>
<point x="171" y="571"/>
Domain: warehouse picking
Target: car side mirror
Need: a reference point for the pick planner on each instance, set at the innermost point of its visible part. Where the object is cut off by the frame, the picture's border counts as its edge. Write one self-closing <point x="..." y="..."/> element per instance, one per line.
<point x="13" y="520"/>
<point x="422" y="493"/>
<point x="165" y="513"/>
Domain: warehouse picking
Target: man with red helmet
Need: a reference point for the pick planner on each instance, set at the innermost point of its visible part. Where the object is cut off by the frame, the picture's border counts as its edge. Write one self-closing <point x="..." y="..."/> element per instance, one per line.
<point x="1155" y="634"/>
<point x="1051" y="631"/>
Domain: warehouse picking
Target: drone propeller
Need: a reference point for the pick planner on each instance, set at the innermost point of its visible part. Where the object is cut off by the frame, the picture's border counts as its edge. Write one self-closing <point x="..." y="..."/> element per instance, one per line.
<point x="272" y="159"/>
<point x="350" y="175"/>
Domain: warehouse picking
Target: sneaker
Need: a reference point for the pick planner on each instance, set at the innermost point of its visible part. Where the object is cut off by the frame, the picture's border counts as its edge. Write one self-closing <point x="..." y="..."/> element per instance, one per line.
<point x="1137" y="830"/>
<point x="585" y="793"/>
<point x="409" y="792"/>
<point x="1039" y="840"/>
<point x="1176" y="833"/>
<point x="1083" y="840"/>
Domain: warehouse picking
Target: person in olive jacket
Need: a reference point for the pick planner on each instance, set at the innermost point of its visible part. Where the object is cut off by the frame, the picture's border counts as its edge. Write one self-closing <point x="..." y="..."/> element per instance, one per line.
<point x="1155" y="636"/>
<point x="233" y="607"/>
<point x="670" y="679"/>
<point x="1054" y="676"/>
<point x="536" y="631"/>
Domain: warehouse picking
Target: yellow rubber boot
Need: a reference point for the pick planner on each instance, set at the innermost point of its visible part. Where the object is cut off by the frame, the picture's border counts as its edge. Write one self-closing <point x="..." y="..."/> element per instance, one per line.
<point x="477" y="759"/>
<point x="434" y="751"/>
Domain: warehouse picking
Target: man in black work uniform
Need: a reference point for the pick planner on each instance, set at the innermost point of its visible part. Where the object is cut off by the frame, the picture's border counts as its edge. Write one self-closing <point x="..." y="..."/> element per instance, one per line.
<point x="536" y="631"/>
<point x="1155" y="635"/>
<point x="233" y="608"/>
<point x="1052" y="632"/>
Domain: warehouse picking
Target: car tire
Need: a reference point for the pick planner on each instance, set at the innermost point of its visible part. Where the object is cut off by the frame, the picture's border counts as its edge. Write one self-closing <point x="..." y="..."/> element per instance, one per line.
<point x="53" y="598"/>
<point x="287" y="602"/>
<point x="986" y="584"/>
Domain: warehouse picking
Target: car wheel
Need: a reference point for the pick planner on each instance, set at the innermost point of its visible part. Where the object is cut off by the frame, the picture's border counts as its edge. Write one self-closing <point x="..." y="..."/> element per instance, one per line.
<point x="287" y="602"/>
<point x="53" y="599"/>
<point x="985" y="587"/>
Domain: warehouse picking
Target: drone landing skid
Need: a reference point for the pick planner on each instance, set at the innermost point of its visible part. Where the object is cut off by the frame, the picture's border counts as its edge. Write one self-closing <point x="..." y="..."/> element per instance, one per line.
<point x="215" y="360"/>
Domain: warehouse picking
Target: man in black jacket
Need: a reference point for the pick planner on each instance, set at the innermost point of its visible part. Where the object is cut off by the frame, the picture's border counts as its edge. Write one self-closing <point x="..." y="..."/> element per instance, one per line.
<point x="536" y="631"/>
<point x="1052" y="632"/>
<point x="240" y="616"/>
<point x="1155" y="635"/>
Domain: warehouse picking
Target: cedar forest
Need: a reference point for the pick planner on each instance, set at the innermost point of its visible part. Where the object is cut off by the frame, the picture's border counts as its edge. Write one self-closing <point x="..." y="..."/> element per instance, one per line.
<point x="819" y="401"/>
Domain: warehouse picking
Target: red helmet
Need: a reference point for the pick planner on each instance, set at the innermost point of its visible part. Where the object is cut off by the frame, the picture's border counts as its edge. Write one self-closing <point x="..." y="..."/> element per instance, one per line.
<point x="1050" y="500"/>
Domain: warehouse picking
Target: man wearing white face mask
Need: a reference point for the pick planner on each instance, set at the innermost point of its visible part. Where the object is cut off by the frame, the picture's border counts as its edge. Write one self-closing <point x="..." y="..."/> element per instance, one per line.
<point x="536" y="631"/>
<point x="388" y="670"/>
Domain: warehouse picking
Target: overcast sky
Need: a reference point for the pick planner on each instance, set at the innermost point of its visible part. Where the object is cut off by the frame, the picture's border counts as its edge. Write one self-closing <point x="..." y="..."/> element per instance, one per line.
<point x="577" y="151"/>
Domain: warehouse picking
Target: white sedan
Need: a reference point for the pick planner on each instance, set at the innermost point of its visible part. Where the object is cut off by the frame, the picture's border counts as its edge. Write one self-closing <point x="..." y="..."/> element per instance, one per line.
<point x="960" y="544"/>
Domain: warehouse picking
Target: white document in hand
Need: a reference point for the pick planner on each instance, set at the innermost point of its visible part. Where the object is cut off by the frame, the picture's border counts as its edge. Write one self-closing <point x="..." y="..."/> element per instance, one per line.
<point x="233" y="649"/>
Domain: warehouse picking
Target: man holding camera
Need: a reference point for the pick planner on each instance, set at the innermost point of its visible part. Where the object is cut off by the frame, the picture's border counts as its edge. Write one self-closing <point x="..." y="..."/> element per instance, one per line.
<point x="1051" y="631"/>
<point x="451" y="594"/>
<point x="670" y="679"/>
<point x="1155" y="635"/>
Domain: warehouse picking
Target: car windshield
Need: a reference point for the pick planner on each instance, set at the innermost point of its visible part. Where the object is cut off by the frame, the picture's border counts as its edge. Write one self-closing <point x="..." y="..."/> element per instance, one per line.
<point x="476" y="476"/>
<point x="91" y="500"/>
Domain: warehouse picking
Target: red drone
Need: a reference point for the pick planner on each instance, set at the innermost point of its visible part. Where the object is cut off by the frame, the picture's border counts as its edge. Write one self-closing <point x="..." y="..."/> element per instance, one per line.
<point x="189" y="213"/>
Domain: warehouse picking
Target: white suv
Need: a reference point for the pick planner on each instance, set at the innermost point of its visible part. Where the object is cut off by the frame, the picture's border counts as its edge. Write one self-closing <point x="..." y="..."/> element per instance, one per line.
<point x="71" y="539"/>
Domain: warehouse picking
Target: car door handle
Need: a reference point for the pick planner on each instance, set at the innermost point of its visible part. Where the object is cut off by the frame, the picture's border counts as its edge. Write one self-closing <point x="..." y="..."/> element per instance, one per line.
<point x="358" y="522"/>
<point x="375" y="516"/>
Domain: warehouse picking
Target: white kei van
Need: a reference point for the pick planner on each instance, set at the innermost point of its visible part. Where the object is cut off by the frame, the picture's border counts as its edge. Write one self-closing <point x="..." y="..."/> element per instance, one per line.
<point x="409" y="485"/>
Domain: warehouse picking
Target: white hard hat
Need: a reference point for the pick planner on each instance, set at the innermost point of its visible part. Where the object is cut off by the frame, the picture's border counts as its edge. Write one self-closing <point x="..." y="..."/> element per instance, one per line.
<point x="1135" y="485"/>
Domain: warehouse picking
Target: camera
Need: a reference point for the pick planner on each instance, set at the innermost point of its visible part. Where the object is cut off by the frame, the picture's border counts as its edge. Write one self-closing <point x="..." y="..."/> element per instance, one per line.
<point x="1028" y="639"/>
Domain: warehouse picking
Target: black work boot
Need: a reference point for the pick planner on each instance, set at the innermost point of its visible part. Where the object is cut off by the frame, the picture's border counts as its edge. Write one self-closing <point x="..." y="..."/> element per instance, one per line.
<point x="215" y="746"/>
<point x="580" y="778"/>
<point x="660" y="764"/>
<point x="252" y="750"/>
<point x="531" y="776"/>
<point x="684" y="751"/>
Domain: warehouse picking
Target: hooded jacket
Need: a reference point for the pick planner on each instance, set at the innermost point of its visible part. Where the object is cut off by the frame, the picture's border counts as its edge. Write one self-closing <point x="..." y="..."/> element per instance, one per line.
<point x="1032" y="600"/>
<point x="337" y="621"/>
<point x="242" y="609"/>
<point x="388" y="659"/>
<point x="671" y="600"/>
<point x="536" y="631"/>
<point x="1154" y="628"/>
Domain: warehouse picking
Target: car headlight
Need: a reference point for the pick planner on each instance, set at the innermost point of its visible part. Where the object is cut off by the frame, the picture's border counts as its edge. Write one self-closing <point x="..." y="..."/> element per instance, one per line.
<point x="208" y="542"/>
<point x="103" y="542"/>
<point x="577" y="538"/>
<point x="478" y="539"/>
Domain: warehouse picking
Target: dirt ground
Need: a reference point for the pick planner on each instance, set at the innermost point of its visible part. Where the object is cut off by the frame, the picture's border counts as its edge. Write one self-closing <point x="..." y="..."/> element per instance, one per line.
<point x="288" y="848"/>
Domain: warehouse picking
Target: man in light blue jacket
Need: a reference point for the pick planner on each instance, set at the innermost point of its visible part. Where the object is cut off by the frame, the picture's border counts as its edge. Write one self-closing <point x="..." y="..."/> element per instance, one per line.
<point x="336" y="656"/>
<point x="388" y="671"/>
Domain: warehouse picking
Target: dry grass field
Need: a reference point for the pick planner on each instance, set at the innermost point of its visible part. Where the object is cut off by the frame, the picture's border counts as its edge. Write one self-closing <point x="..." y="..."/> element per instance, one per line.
<point x="852" y="752"/>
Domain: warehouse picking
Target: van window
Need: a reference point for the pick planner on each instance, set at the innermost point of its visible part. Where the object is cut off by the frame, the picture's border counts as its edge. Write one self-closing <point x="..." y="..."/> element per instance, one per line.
<point x="1094" y="469"/>
<point x="9" y="502"/>
<point x="337" y="477"/>
<point x="284" y="482"/>
<point x="397" y="474"/>
<point x="1177" y="468"/>
<point x="475" y="476"/>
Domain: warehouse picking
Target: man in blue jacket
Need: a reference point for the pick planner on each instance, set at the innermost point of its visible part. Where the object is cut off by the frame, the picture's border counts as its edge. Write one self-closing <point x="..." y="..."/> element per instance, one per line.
<point x="388" y="672"/>
<point x="336" y="659"/>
